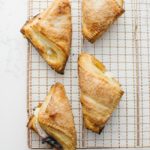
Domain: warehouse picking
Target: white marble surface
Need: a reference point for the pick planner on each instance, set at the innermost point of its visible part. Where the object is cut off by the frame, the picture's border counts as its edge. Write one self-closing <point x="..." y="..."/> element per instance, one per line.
<point x="12" y="75"/>
<point x="13" y="58"/>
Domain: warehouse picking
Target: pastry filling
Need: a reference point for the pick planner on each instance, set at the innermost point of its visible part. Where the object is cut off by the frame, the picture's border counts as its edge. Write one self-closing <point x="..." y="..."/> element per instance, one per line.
<point x="98" y="69"/>
<point x="45" y="137"/>
<point x="40" y="131"/>
<point x="49" y="50"/>
<point x="53" y="54"/>
<point x="51" y="141"/>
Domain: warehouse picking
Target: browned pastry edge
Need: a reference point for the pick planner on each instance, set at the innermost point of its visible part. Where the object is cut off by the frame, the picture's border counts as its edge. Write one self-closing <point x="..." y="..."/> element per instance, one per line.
<point x="31" y="120"/>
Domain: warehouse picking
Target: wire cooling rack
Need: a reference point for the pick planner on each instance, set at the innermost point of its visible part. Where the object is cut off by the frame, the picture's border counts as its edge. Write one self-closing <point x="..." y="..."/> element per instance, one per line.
<point x="124" y="49"/>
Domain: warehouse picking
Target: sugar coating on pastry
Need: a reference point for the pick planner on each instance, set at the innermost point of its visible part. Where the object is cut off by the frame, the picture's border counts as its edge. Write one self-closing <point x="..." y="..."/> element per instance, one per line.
<point x="100" y="92"/>
<point x="98" y="15"/>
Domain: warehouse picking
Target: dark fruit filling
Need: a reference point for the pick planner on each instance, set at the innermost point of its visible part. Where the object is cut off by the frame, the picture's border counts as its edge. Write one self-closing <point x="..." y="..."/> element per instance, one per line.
<point x="52" y="142"/>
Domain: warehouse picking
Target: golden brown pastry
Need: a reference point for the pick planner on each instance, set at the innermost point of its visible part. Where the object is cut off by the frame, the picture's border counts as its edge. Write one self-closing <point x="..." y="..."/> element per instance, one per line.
<point x="53" y="120"/>
<point x="51" y="32"/>
<point x="98" y="15"/>
<point x="100" y="92"/>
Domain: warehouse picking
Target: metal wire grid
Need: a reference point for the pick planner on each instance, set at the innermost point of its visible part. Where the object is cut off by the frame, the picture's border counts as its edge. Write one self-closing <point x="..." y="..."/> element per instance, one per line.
<point x="125" y="51"/>
<point x="143" y="42"/>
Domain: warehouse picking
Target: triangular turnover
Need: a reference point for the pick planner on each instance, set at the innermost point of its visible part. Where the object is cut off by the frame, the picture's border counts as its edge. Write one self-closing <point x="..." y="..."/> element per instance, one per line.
<point x="51" y="33"/>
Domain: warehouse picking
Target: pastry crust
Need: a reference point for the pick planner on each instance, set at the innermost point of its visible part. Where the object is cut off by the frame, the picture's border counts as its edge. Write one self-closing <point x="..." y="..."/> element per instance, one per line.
<point x="56" y="119"/>
<point x="98" y="15"/>
<point x="100" y="92"/>
<point x="50" y="32"/>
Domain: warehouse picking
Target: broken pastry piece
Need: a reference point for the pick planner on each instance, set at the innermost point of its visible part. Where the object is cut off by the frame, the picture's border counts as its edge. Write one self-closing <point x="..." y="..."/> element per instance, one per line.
<point x="98" y="15"/>
<point x="50" y="32"/>
<point x="100" y="92"/>
<point x="53" y="120"/>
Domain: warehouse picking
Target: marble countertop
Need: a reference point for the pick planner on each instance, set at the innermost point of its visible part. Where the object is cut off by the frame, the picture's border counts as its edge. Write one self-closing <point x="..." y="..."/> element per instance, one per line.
<point x="13" y="64"/>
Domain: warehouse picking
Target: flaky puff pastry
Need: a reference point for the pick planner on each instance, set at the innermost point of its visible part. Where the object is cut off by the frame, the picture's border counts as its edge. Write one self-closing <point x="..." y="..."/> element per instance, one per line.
<point x="100" y="92"/>
<point x="98" y="15"/>
<point x="55" y="118"/>
<point x="51" y="33"/>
